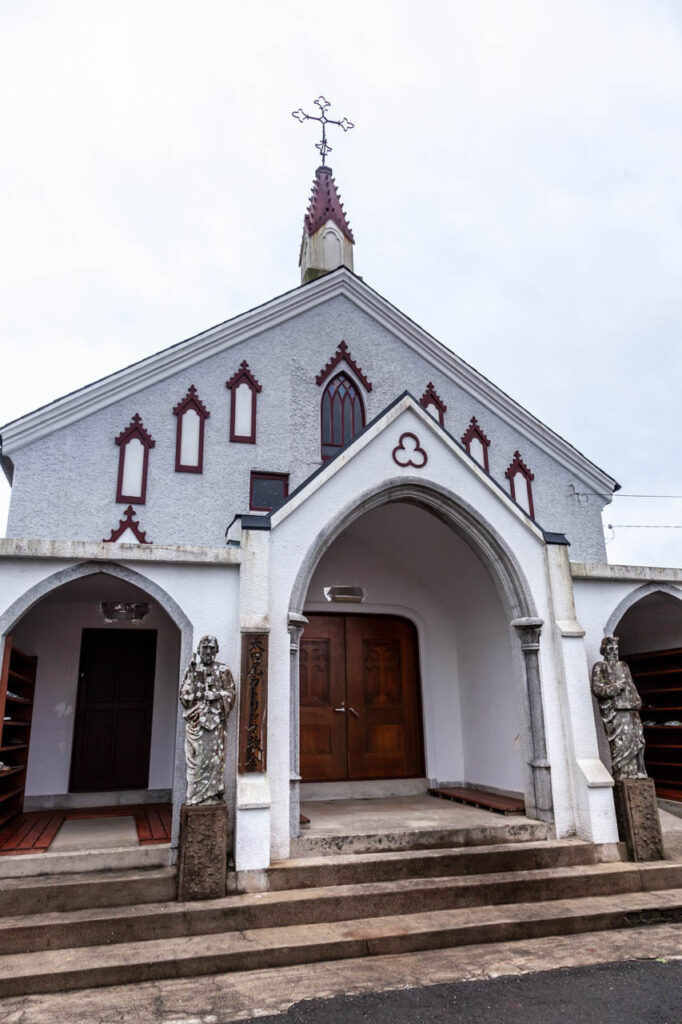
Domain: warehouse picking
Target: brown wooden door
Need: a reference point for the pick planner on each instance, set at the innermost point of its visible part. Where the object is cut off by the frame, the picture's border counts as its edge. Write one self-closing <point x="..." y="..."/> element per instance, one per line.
<point x="114" y="710"/>
<point x="360" y="699"/>
<point x="322" y="689"/>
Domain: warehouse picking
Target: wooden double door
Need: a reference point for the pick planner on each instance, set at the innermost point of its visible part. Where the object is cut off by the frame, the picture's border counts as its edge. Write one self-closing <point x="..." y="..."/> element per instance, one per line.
<point x="360" y="699"/>
<point x="113" y="726"/>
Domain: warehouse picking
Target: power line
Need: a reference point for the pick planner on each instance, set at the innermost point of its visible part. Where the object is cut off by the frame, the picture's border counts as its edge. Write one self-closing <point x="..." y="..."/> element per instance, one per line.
<point x="618" y="494"/>
<point x="643" y="526"/>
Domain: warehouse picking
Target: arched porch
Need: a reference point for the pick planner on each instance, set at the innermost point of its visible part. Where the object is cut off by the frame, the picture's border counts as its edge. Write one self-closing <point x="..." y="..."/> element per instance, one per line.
<point x="99" y="737"/>
<point x="417" y="553"/>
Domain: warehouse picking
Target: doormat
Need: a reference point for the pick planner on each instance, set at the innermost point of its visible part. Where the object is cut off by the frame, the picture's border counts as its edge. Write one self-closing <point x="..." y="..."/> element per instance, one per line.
<point x="34" y="831"/>
<point x="480" y="798"/>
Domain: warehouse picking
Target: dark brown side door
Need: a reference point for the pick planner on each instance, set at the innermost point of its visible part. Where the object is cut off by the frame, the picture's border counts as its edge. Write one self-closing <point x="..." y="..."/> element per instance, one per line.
<point x="360" y="698"/>
<point x="114" y="710"/>
<point x="322" y="690"/>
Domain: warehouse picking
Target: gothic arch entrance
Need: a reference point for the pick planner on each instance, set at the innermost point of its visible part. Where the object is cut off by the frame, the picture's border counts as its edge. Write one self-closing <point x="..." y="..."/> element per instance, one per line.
<point x="418" y="554"/>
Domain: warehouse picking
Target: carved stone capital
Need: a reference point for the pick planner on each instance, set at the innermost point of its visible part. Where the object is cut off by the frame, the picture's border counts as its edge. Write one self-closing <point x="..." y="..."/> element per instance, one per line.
<point x="296" y="625"/>
<point x="529" y="630"/>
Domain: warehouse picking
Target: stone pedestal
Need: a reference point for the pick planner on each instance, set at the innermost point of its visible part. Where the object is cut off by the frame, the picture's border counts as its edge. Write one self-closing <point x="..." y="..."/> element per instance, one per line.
<point x="203" y="852"/>
<point x="638" y="823"/>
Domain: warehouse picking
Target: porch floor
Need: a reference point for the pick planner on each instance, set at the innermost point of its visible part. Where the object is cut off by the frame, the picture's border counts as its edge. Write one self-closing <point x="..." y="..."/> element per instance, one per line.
<point x="391" y="814"/>
<point x="78" y="829"/>
<point x="392" y="823"/>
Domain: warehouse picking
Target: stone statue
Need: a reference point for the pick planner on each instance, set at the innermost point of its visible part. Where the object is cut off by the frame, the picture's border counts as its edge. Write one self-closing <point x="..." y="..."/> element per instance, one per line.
<point x="619" y="704"/>
<point x="207" y="694"/>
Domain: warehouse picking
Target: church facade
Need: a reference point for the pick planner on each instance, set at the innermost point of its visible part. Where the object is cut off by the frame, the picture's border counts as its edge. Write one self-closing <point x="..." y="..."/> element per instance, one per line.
<point x="403" y="568"/>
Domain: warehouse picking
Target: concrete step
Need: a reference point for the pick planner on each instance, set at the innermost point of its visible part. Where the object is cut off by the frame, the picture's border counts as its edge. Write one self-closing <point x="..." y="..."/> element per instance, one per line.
<point x="345" y="869"/>
<point x="118" y="925"/>
<point x="507" y="831"/>
<point x="61" y="970"/>
<point x="41" y="893"/>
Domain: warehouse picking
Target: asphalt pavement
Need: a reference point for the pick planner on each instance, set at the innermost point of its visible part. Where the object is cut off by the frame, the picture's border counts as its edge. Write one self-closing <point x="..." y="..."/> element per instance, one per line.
<point x="647" y="992"/>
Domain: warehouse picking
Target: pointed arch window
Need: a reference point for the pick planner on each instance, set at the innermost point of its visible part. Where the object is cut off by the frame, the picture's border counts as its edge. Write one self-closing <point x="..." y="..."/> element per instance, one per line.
<point x="477" y="443"/>
<point x="244" y="390"/>
<point x="519" y="476"/>
<point x="133" y="462"/>
<point x="342" y="413"/>
<point x="189" y="438"/>
<point x="434" y="404"/>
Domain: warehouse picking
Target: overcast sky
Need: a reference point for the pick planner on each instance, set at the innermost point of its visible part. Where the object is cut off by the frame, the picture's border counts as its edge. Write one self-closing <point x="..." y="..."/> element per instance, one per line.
<point x="513" y="183"/>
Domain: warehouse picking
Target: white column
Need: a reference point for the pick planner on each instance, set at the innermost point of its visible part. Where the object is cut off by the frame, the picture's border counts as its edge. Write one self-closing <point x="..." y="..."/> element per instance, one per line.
<point x="253" y="802"/>
<point x="591" y="783"/>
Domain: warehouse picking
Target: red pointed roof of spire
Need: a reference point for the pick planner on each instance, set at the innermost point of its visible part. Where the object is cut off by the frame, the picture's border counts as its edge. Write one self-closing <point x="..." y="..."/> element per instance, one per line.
<point x="325" y="204"/>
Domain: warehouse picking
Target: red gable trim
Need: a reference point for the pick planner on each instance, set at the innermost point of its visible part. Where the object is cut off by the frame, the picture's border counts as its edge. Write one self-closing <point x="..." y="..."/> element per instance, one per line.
<point x="518" y="467"/>
<point x="136" y="429"/>
<point x="191" y="399"/>
<point x="128" y="522"/>
<point x="431" y="397"/>
<point x="244" y="374"/>
<point x="342" y="355"/>
<point x="472" y="431"/>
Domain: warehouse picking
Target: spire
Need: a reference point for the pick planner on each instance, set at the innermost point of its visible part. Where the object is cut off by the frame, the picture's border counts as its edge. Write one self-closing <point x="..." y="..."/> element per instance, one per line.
<point x="327" y="238"/>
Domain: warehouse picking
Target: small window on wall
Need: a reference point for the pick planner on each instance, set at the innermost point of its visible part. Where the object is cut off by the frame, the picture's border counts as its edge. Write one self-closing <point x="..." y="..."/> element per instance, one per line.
<point x="476" y="443"/>
<point x="133" y="462"/>
<point x="268" y="490"/>
<point x="434" y="404"/>
<point x="189" y="439"/>
<point x="244" y="389"/>
<point x="343" y="414"/>
<point x="520" y="477"/>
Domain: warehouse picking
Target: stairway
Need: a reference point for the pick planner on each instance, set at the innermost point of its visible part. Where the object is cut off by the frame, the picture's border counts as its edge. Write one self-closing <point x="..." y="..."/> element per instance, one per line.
<point x="71" y="932"/>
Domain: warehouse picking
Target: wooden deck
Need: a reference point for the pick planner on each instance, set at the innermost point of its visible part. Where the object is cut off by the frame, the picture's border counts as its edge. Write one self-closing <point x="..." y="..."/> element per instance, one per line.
<point x="480" y="798"/>
<point x="34" y="831"/>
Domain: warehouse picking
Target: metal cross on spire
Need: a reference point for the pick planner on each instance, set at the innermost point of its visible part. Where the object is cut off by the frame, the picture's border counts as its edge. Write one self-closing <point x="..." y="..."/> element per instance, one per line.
<point x="323" y="104"/>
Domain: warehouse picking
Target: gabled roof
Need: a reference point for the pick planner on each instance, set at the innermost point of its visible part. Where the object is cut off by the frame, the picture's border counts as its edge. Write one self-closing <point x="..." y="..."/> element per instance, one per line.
<point x="325" y="204"/>
<point x="340" y="283"/>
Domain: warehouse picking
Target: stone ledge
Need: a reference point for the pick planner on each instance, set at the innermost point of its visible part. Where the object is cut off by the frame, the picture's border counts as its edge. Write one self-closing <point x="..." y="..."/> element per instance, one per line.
<point x="77" y="550"/>
<point x="603" y="571"/>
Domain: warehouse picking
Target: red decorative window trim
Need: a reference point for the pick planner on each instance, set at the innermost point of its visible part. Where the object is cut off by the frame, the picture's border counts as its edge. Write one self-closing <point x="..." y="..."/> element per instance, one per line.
<point x="342" y="415"/>
<point x="472" y="431"/>
<point x="431" y="397"/>
<point x="190" y="401"/>
<point x="257" y="475"/>
<point x="127" y="523"/>
<point x="134" y="429"/>
<point x="342" y="355"/>
<point x="243" y="376"/>
<point x="519" y="467"/>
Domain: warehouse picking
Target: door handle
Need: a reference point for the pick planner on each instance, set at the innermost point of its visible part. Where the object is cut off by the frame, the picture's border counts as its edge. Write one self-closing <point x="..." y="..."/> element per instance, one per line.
<point x="342" y="707"/>
<point x="353" y="711"/>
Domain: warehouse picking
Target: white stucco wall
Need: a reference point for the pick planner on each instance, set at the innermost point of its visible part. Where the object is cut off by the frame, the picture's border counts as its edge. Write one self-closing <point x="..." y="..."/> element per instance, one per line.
<point x="65" y="483"/>
<point x="413" y="565"/>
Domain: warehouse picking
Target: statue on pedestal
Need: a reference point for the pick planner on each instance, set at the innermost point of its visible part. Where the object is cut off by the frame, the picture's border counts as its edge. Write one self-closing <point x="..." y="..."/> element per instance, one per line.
<point x="619" y="704"/>
<point x="207" y="695"/>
